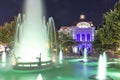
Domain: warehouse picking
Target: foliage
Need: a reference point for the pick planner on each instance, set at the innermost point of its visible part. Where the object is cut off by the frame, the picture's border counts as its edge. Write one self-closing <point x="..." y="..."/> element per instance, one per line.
<point x="7" y="32"/>
<point x="68" y="42"/>
<point x="97" y="44"/>
<point x="117" y="6"/>
<point x="108" y="37"/>
<point x="117" y="52"/>
<point x="65" y="40"/>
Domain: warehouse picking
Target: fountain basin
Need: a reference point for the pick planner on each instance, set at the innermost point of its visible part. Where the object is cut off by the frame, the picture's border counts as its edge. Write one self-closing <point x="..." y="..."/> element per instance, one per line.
<point x="86" y="61"/>
<point x="94" y="77"/>
<point x="25" y="66"/>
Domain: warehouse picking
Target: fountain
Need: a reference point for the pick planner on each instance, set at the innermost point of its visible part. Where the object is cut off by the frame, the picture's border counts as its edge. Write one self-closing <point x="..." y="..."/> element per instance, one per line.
<point x="101" y="68"/>
<point x="52" y="39"/>
<point x="4" y="63"/>
<point x="39" y="77"/>
<point x="60" y="56"/>
<point x="31" y="34"/>
<point x="85" y="56"/>
<point x="2" y="51"/>
<point x="3" y="57"/>
<point x="101" y="75"/>
<point x="3" y="60"/>
<point x="32" y="44"/>
<point x="105" y="59"/>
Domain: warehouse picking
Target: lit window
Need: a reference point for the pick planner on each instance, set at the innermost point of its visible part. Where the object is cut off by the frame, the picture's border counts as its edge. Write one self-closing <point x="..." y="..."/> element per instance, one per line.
<point x="78" y="37"/>
<point x="88" y="37"/>
<point x="83" y="37"/>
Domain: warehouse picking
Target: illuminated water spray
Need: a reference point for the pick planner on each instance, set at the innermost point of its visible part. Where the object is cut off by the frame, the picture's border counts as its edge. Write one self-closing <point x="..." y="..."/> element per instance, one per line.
<point x="102" y="70"/>
<point x="3" y="57"/>
<point x="85" y="55"/>
<point x="31" y="34"/>
<point x="60" y="56"/>
<point x="105" y="59"/>
<point x="2" y="50"/>
<point x="39" y="77"/>
<point x="102" y="67"/>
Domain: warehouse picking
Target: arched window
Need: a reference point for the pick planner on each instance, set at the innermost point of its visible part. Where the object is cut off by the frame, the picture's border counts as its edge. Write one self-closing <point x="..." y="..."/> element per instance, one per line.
<point x="83" y="37"/>
<point x="88" y="37"/>
<point x="78" y="37"/>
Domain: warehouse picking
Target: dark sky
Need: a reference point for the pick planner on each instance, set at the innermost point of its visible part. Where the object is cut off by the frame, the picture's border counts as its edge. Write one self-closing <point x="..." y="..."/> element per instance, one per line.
<point x="64" y="12"/>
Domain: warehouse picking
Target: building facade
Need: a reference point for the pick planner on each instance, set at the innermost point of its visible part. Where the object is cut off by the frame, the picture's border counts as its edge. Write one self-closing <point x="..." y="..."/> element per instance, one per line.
<point x="82" y="33"/>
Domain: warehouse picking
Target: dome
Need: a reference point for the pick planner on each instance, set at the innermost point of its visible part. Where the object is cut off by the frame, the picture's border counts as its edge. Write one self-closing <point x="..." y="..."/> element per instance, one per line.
<point x="83" y="25"/>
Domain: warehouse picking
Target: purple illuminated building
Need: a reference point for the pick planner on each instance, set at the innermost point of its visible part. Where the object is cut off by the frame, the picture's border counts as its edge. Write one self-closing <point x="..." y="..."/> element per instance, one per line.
<point x="83" y="34"/>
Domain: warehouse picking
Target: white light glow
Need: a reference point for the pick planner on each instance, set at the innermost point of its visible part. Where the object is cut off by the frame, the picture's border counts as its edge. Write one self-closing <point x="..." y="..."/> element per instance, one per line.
<point x="3" y="57"/>
<point x="75" y="50"/>
<point x="85" y="55"/>
<point x="60" y="56"/>
<point x="102" y="67"/>
<point x="39" y="77"/>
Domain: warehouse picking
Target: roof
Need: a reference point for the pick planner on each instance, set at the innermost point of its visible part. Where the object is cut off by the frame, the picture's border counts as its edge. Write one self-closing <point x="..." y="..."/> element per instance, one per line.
<point x="83" y="25"/>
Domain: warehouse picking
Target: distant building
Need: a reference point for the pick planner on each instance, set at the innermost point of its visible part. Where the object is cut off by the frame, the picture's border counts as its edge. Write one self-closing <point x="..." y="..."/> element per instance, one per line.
<point x="82" y="33"/>
<point x="66" y="30"/>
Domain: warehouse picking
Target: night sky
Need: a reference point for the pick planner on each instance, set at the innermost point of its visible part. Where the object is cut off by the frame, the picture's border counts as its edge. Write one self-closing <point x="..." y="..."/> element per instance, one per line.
<point x="64" y="12"/>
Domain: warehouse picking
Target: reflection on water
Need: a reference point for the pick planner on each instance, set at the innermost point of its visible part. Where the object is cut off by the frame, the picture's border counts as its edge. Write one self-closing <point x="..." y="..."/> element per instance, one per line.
<point x="67" y="71"/>
<point x="9" y="75"/>
<point x="84" y="69"/>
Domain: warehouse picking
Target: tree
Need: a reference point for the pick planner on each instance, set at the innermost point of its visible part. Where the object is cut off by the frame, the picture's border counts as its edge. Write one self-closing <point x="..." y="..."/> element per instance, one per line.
<point x="108" y="37"/>
<point x="117" y="5"/>
<point x="7" y="32"/>
<point x="97" y="44"/>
